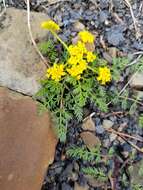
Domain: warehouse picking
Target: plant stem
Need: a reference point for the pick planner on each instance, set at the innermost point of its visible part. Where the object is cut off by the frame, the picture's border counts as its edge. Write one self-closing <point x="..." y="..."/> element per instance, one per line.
<point x="131" y="99"/>
<point x="90" y="68"/>
<point x="60" y="40"/>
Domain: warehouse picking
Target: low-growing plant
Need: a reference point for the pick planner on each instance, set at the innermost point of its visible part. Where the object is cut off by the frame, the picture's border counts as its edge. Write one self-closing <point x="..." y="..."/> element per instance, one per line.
<point x="140" y="172"/>
<point x="48" y="50"/>
<point x="97" y="173"/>
<point x="85" y="154"/>
<point x="141" y="120"/>
<point x="137" y="187"/>
<point x="77" y="76"/>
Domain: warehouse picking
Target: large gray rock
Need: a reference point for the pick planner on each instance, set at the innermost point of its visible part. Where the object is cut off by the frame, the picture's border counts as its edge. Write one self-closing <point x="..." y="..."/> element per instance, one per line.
<point x="20" y="66"/>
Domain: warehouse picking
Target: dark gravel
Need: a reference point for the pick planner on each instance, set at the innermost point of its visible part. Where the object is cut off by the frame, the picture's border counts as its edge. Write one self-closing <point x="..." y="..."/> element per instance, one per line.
<point x="108" y="19"/>
<point x="66" y="171"/>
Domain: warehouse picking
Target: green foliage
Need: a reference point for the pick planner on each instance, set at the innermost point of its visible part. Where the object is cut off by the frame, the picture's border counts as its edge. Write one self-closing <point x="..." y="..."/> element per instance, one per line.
<point x="84" y="153"/>
<point x="97" y="173"/>
<point x="50" y="96"/>
<point x="141" y="170"/>
<point x="133" y="108"/>
<point x="111" y="151"/>
<point x="41" y="109"/>
<point x="89" y="155"/>
<point x="137" y="187"/>
<point x="67" y="97"/>
<point x="73" y="95"/>
<point x="124" y="101"/>
<point x="80" y="95"/>
<point x="99" y="97"/>
<point x="141" y="120"/>
<point x="48" y="49"/>
<point x="137" y="67"/>
<point x="62" y="117"/>
<point x="118" y="66"/>
<point x="64" y="56"/>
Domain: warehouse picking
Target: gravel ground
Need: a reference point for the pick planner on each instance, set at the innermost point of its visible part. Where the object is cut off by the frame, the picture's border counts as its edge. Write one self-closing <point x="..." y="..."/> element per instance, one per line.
<point x="111" y="21"/>
<point x="114" y="27"/>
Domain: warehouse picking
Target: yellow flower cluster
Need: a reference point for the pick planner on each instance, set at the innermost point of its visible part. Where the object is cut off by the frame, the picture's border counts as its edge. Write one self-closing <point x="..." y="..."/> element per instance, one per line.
<point x="77" y="70"/>
<point x="56" y="72"/>
<point x="50" y="25"/>
<point x="77" y="50"/>
<point x="90" y="57"/>
<point x="104" y="75"/>
<point x="79" y="59"/>
<point x="86" y="36"/>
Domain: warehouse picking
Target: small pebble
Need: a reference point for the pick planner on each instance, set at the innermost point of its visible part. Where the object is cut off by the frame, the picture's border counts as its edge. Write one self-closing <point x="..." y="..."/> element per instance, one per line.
<point x="99" y="129"/>
<point x="107" y="124"/>
<point x="66" y="186"/>
<point x="78" y="26"/>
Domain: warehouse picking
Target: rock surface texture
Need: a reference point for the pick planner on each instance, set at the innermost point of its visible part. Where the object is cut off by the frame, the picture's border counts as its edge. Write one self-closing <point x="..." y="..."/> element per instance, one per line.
<point x="137" y="82"/>
<point x="20" y="66"/>
<point x="27" y="142"/>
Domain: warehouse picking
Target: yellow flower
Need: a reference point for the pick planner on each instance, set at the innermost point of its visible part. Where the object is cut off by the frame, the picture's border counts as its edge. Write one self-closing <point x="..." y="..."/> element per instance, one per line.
<point x="73" y="71"/>
<point x="104" y="75"/>
<point x="77" y="50"/>
<point x="56" y="72"/>
<point x="81" y="47"/>
<point x="82" y="65"/>
<point x="77" y="70"/>
<point x="90" y="57"/>
<point x="78" y="77"/>
<point x="50" y="25"/>
<point x="72" y="60"/>
<point x="73" y="50"/>
<point x="86" y="36"/>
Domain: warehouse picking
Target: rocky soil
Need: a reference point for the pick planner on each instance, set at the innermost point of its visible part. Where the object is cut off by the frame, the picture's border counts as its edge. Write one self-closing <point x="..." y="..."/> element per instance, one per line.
<point x="118" y="33"/>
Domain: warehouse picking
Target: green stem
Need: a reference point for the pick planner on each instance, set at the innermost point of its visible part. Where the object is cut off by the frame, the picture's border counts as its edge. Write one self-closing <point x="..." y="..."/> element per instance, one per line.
<point x="132" y="99"/>
<point x="60" y="40"/>
<point x="90" y="68"/>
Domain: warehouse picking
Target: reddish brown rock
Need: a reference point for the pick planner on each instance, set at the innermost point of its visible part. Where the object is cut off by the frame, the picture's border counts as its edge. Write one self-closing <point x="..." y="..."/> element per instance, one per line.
<point x="88" y="124"/>
<point x="27" y="143"/>
<point x="90" y="47"/>
<point x="90" y="139"/>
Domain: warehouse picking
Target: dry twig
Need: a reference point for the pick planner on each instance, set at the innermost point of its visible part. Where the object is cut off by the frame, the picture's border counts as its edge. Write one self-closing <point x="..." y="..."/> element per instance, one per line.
<point x="135" y="60"/>
<point x="55" y="1"/>
<point x="116" y="16"/>
<point x="124" y="134"/>
<point x="134" y="75"/>
<point x="4" y="10"/>
<point x="114" y="114"/>
<point x="133" y="145"/>
<point x="137" y="31"/>
<point x="31" y="35"/>
<point x="131" y="99"/>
